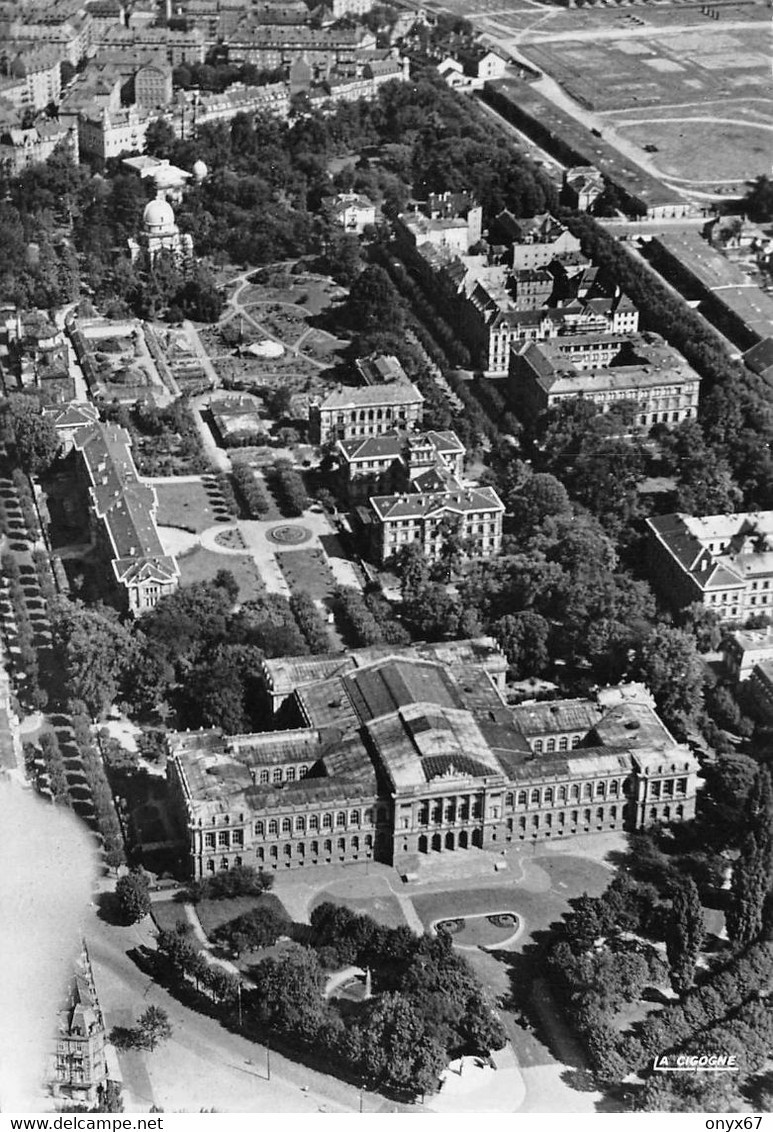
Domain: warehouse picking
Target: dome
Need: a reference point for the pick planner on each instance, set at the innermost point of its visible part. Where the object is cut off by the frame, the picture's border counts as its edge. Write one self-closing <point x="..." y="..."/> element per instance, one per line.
<point x="266" y="348"/>
<point x="200" y="170"/>
<point x="158" y="216"/>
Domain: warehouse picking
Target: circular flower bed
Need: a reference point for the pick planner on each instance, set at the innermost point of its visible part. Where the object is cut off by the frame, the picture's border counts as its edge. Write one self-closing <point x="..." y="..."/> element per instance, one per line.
<point x="288" y="536"/>
<point x="451" y="927"/>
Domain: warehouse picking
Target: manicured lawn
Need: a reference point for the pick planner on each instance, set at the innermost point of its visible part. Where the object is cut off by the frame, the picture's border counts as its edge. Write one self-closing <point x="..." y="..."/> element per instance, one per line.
<point x="383" y="909"/>
<point x="307" y="570"/>
<point x="184" y="505"/>
<point x="166" y="913"/>
<point x="213" y="913"/>
<point x="201" y="565"/>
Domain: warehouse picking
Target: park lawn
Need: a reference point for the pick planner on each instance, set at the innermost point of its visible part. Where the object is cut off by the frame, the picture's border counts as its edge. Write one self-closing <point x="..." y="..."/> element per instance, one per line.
<point x="307" y="570"/>
<point x="166" y="913"/>
<point x="184" y="505"/>
<point x="213" y="913"/>
<point x="478" y="932"/>
<point x="384" y="910"/>
<point x="201" y="565"/>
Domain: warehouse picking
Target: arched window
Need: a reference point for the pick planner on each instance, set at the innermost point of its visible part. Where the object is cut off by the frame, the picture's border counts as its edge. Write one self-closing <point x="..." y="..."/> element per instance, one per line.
<point x="613" y="788"/>
<point x="303" y="770"/>
<point x="290" y="774"/>
<point x="258" y="828"/>
<point x="508" y="799"/>
<point x="263" y="777"/>
<point x="653" y="813"/>
<point x="535" y="821"/>
<point x="576" y="791"/>
<point x="586" y="816"/>
<point x="369" y="817"/>
<point x="300" y="823"/>
<point x="599" y="789"/>
<point x="535" y="797"/>
<point x="613" y="813"/>
<point x="341" y="844"/>
<point x="600" y="813"/>
<point x="587" y="790"/>
<point x="340" y="819"/>
<point x="355" y="844"/>
<point x="522" y="797"/>
<point x="537" y="746"/>
<point x="328" y="846"/>
<point x="288" y="850"/>
<point x="210" y="865"/>
<point x="562" y="793"/>
<point x="224" y="863"/>
<point x="368" y="841"/>
<point x="327" y="821"/>
<point x="278" y="774"/>
<point x="548" y="797"/>
<point x="287" y="825"/>
<point x="273" y="827"/>
<point x="313" y="821"/>
<point x="563" y="743"/>
<point x="314" y="848"/>
<point x="354" y="817"/>
<point x="550" y="746"/>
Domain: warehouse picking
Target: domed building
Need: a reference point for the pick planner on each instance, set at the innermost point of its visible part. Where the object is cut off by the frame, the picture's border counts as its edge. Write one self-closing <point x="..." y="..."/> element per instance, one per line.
<point x="160" y="233"/>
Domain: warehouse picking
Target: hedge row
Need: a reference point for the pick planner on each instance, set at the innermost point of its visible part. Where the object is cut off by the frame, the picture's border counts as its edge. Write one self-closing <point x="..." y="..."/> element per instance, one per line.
<point x="310" y="622"/>
<point x="94" y="771"/>
<point x="252" y="494"/>
<point x="290" y="488"/>
<point x="356" y="618"/>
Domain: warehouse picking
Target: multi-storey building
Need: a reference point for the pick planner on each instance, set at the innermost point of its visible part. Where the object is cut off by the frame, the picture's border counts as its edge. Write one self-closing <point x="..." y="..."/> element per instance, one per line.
<point x="272" y="46"/>
<point x="347" y="413"/>
<point x="430" y="517"/>
<point x="389" y="754"/>
<point x="33" y="355"/>
<point x="725" y="562"/>
<point x="80" y="1071"/>
<point x="153" y="86"/>
<point x="172" y="44"/>
<point x="742" y="649"/>
<point x="451" y="221"/>
<point x="534" y="241"/>
<point x="353" y="212"/>
<point x="103" y="133"/>
<point x="123" y="512"/>
<point x="644" y="370"/>
<point x="379" y="465"/>
<point x="70" y="37"/>
<point x="38" y="79"/>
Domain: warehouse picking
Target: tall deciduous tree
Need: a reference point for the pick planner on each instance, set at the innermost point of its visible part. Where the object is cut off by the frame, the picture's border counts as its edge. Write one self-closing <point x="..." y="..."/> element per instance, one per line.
<point x="133" y="894"/>
<point x="154" y="1027"/>
<point x="668" y="663"/>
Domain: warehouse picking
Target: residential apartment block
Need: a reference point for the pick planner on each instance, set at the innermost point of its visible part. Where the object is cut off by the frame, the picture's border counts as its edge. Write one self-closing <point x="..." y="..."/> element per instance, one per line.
<point x="452" y="221"/>
<point x="33" y="355"/>
<point x="123" y="512"/>
<point x="725" y="562"/>
<point x="605" y="369"/>
<point x="390" y="754"/>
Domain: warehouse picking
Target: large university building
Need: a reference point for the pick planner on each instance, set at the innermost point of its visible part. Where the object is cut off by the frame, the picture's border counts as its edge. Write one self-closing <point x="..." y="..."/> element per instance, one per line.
<point x="391" y="753"/>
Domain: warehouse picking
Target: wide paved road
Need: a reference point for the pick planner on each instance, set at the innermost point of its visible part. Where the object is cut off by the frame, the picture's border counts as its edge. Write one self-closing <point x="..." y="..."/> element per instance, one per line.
<point x="203" y="1066"/>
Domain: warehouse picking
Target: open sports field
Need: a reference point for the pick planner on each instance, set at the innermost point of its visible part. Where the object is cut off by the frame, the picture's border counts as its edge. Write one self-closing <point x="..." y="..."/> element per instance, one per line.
<point x="706" y="151"/>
